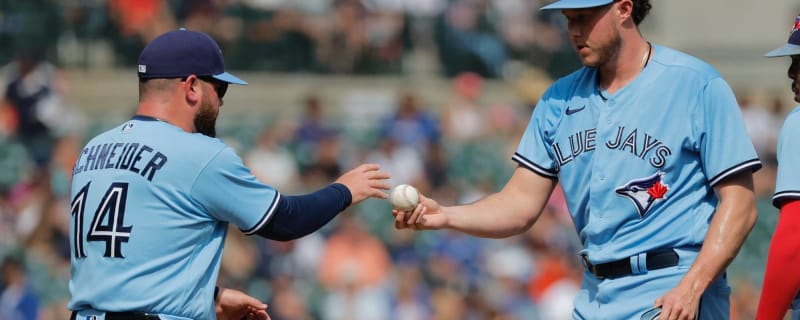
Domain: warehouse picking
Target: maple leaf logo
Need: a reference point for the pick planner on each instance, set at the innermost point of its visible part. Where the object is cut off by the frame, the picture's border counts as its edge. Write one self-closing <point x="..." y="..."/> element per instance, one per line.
<point x="657" y="191"/>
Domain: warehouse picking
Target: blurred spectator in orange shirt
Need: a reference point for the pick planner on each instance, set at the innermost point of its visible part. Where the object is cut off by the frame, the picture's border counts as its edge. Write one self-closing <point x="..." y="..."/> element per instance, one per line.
<point x="355" y="267"/>
<point x="143" y="18"/>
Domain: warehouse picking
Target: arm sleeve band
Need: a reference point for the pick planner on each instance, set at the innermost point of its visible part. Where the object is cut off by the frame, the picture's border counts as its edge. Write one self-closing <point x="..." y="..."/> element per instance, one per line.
<point x="297" y="216"/>
<point x="781" y="279"/>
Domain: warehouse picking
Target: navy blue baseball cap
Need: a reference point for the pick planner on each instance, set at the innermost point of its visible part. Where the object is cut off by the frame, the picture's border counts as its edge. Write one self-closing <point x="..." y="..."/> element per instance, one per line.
<point x="181" y="53"/>
<point x="792" y="46"/>
<point x="576" y="4"/>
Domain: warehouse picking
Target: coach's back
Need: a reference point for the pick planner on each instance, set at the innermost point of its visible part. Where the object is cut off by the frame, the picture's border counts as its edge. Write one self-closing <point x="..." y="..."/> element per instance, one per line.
<point x="149" y="221"/>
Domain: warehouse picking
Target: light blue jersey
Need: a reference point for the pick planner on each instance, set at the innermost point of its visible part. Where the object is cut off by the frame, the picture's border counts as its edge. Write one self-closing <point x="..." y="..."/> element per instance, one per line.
<point x="788" y="185"/>
<point x="638" y="166"/>
<point x="150" y="209"/>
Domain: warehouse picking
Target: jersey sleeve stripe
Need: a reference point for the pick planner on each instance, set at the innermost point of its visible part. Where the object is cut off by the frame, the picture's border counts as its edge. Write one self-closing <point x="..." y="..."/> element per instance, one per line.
<point x="780" y="198"/>
<point x="752" y="165"/>
<point x="534" y="167"/>
<point x="266" y="217"/>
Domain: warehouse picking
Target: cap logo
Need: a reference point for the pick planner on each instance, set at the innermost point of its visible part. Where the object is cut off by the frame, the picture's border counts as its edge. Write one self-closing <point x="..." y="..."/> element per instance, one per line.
<point x="794" y="37"/>
<point x="792" y="47"/>
<point x="142" y="68"/>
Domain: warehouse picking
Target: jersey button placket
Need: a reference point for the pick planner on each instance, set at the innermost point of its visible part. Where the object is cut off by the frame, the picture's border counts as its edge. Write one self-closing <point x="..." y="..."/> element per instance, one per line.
<point x="605" y="130"/>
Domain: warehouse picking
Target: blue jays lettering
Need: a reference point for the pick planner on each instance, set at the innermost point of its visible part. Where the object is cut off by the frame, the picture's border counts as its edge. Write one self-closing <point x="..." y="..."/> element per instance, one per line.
<point x="641" y="145"/>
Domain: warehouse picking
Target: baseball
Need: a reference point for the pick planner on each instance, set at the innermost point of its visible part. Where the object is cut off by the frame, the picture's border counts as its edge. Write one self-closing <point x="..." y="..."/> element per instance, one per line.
<point x="404" y="197"/>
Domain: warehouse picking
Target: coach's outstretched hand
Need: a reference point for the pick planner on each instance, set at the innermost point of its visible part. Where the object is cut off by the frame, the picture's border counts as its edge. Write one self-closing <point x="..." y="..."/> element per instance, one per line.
<point x="236" y="305"/>
<point x="366" y="181"/>
<point x="427" y="215"/>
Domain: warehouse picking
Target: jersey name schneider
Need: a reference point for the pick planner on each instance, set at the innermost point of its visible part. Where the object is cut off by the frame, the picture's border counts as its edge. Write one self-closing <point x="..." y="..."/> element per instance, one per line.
<point x="132" y="156"/>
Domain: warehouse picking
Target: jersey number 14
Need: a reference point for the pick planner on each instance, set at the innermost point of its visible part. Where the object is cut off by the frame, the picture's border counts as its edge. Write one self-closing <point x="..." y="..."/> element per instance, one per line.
<point x="107" y="225"/>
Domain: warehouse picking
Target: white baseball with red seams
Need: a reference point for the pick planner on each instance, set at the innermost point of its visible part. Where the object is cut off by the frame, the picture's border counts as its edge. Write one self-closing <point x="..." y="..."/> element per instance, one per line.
<point x="404" y="197"/>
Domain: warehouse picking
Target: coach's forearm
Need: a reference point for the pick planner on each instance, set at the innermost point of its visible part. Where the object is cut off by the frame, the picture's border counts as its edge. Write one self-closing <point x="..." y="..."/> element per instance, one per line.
<point x="735" y="216"/>
<point x="298" y="216"/>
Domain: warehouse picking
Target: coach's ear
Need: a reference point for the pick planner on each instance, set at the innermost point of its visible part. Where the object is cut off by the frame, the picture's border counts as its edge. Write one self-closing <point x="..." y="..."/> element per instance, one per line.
<point x="192" y="88"/>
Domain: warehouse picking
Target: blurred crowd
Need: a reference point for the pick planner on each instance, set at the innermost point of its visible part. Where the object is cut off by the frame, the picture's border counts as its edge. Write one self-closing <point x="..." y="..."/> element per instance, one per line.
<point x="490" y="37"/>
<point x="359" y="266"/>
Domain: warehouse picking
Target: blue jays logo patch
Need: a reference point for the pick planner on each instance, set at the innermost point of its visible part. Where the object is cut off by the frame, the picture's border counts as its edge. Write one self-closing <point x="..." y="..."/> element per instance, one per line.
<point x="644" y="192"/>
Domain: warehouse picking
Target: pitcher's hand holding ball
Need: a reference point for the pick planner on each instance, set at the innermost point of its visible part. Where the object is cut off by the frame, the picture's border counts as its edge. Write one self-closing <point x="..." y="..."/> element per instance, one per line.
<point x="426" y="215"/>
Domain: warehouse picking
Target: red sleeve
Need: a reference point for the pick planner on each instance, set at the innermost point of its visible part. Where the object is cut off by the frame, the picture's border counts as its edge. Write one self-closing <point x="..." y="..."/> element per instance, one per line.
<point x="781" y="279"/>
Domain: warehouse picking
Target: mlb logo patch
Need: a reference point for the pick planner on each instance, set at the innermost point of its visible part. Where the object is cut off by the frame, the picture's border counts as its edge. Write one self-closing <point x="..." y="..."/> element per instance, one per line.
<point x="142" y="68"/>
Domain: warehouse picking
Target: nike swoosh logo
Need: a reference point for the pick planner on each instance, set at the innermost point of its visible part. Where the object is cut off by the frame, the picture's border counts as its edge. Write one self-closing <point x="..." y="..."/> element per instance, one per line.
<point x="574" y="111"/>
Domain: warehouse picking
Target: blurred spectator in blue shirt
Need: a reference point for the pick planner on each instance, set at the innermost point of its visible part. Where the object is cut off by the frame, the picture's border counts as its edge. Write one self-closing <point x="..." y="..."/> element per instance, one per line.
<point x="468" y="42"/>
<point x="17" y="299"/>
<point x="411" y="125"/>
